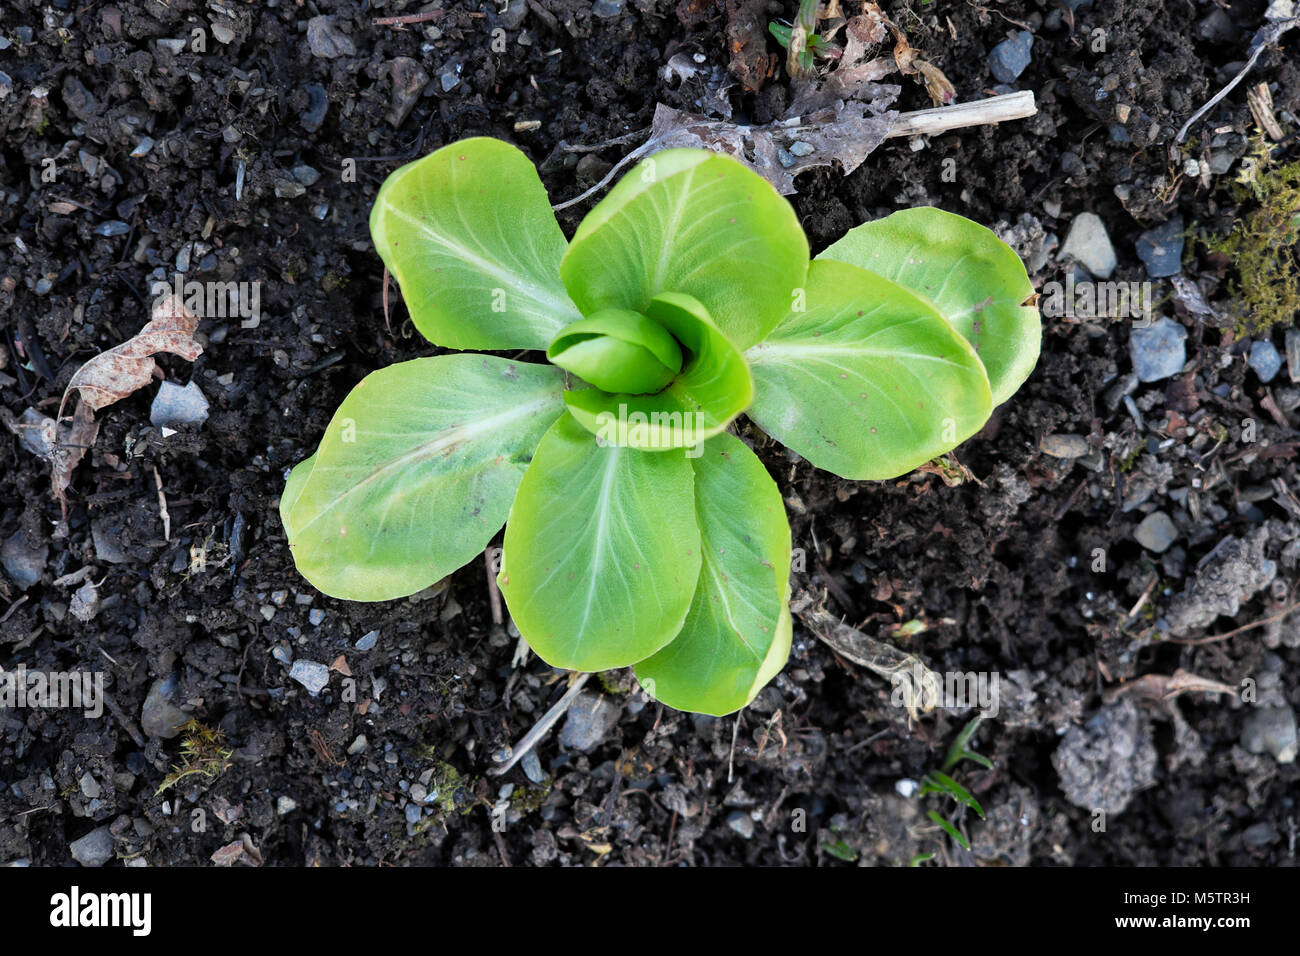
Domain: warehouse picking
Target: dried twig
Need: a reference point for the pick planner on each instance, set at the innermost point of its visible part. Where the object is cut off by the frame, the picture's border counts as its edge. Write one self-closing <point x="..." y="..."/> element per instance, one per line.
<point x="1262" y="38"/>
<point x="494" y="592"/>
<point x="529" y="740"/>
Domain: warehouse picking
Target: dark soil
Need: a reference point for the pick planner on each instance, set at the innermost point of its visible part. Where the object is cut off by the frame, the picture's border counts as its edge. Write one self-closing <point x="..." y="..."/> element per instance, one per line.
<point x="1000" y="568"/>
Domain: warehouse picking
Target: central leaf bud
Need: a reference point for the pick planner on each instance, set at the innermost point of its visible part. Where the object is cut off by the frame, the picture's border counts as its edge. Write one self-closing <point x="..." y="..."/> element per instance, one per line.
<point x="618" y="350"/>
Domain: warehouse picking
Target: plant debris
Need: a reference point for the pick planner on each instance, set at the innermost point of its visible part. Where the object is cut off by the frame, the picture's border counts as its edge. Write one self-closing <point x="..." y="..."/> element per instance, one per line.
<point x="113" y="375"/>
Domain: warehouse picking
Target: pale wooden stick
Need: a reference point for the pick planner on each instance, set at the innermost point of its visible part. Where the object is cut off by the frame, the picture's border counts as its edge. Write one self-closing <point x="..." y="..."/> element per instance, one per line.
<point x="995" y="109"/>
<point x="530" y="739"/>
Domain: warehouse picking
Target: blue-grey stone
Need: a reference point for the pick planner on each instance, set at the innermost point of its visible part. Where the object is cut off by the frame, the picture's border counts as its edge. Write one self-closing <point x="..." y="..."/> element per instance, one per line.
<point x="1010" y="57"/>
<point x="1161" y="249"/>
<point x="1159" y="350"/>
<point x="1265" y="360"/>
<point x="94" y="849"/>
<point x="591" y="717"/>
<point x="1156" y="532"/>
<point x="113" y="227"/>
<point x="367" y="641"/>
<point x="311" y="674"/>
<point x="1088" y="244"/>
<point x="607" y="8"/>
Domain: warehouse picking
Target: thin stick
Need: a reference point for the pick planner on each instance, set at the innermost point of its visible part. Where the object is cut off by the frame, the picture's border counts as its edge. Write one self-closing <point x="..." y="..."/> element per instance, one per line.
<point x="494" y="592"/>
<point x="162" y="506"/>
<point x="529" y="740"/>
<point x="1236" y="630"/>
<point x="941" y="119"/>
<point x="408" y="18"/>
<point x="1263" y="38"/>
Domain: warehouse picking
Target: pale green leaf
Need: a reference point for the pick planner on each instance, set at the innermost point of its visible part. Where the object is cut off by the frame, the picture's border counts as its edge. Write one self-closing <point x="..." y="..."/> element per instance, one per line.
<point x="416" y="472"/>
<point x="601" y="551"/>
<point x="869" y="381"/>
<point x="469" y="234"/>
<point x="973" y="278"/>
<point x="713" y="388"/>
<point x="694" y="222"/>
<point x="737" y="632"/>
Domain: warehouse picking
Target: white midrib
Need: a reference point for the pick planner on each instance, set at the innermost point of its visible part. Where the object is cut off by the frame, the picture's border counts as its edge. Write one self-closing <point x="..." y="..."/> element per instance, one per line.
<point x="602" y="532"/>
<point x="557" y="305"/>
<point x="447" y="438"/>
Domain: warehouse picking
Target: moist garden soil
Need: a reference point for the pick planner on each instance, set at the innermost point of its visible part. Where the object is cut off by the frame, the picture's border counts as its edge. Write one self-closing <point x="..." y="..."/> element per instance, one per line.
<point x="994" y="571"/>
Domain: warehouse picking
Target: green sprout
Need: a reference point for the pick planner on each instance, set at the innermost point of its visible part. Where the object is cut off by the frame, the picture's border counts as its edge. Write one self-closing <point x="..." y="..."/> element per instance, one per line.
<point x="938" y="781"/>
<point x="639" y="531"/>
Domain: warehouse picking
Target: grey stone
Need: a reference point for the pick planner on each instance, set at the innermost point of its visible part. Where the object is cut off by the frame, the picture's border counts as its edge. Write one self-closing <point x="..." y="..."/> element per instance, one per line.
<point x="173" y="45"/>
<point x="606" y="9"/>
<point x="305" y="174"/>
<point x="90" y="787"/>
<point x="222" y="33"/>
<point x="740" y="822"/>
<point x="174" y="406"/>
<point x="590" y="719"/>
<point x="94" y="849"/>
<point x="1161" y="249"/>
<point x="1088" y="244"/>
<point x="1217" y="27"/>
<point x="1159" y="350"/>
<point x="22" y="564"/>
<point x="113" y="227"/>
<point x="1065" y="446"/>
<point x="160" y="717"/>
<point x="318" y="103"/>
<point x="311" y="674"/>
<point x="85" y="603"/>
<point x="1105" y="761"/>
<point x="1156" y="532"/>
<point x="1259" y="835"/>
<point x="316" y="616"/>
<point x="1011" y="57"/>
<point x="413" y="813"/>
<point x="1265" y="360"/>
<point x="286" y="188"/>
<point x="532" y="767"/>
<point x="367" y="641"/>
<point x="327" y="40"/>
<point x="1270" y="730"/>
<point x="516" y="10"/>
<point x="285" y="805"/>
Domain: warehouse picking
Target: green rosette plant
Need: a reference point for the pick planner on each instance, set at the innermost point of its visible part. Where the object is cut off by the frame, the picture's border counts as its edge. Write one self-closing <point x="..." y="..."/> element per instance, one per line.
<point x="639" y="531"/>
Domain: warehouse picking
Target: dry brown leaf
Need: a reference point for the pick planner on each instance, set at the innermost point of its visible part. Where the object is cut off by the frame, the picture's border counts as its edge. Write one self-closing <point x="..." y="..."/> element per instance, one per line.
<point x="113" y="375"/>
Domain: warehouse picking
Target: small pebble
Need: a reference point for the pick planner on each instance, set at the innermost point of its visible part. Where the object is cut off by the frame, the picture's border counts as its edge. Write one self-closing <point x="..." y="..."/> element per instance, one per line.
<point x="532" y="767"/>
<point x="1088" y="244"/>
<point x="1270" y="730"/>
<point x="1156" y="532"/>
<point x="94" y="849"/>
<point x="285" y="805"/>
<point x="174" y="406"/>
<point x="113" y="227"/>
<point x="1265" y="360"/>
<point x="1161" y="249"/>
<point x="316" y="616"/>
<point x="740" y="822"/>
<point x="368" y="641"/>
<point x="605" y="9"/>
<point x="1159" y="350"/>
<point x="1065" y="446"/>
<point x="310" y="674"/>
<point x="1009" y="58"/>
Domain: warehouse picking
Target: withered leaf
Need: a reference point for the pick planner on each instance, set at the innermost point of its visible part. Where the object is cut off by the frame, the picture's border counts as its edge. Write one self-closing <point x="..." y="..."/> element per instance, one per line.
<point x="113" y="375"/>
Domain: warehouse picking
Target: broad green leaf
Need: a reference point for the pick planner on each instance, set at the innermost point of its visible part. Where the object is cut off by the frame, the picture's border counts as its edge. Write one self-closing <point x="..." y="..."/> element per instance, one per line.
<point x="469" y="234"/>
<point x="416" y="472"/>
<point x="714" y="387"/>
<point x="870" y="381"/>
<point x="601" y="551"/>
<point x="618" y="350"/>
<point x="737" y="632"/>
<point x="691" y="221"/>
<point x="974" y="279"/>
